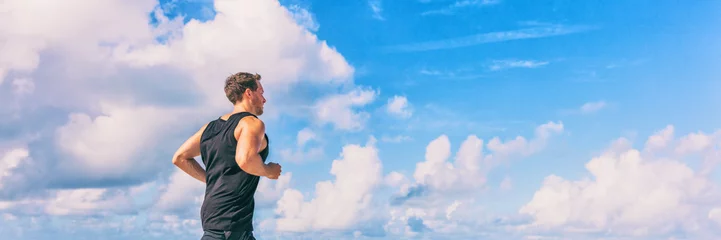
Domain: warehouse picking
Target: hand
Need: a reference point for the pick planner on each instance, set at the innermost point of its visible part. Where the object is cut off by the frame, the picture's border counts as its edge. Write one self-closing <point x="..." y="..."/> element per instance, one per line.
<point x="274" y="170"/>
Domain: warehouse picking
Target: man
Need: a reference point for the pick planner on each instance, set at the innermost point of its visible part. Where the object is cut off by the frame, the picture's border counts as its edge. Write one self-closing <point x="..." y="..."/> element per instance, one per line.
<point x="233" y="148"/>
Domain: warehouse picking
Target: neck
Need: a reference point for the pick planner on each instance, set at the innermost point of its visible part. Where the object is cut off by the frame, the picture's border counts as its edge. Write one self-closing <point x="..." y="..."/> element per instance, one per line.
<point x="242" y="107"/>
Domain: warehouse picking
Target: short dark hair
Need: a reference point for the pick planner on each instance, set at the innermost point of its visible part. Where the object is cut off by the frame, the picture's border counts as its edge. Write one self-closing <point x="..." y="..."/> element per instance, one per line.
<point x="236" y="84"/>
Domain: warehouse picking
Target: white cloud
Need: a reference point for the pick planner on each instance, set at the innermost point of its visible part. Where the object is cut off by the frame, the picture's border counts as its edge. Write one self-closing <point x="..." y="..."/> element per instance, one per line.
<point x="660" y="140"/>
<point x="505" y="64"/>
<point x="470" y="166"/>
<point x="106" y="145"/>
<point x="630" y="193"/>
<point x="270" y="191"/>
<point x="87" y="50"/>
<point x="23" y="86"/>
<point x="181" y="194"/>
<point x="73" y="25"/>
<point x="304" y="136"/>
<point x="506" y="184"/>
<point x="337" y="204"/>
<point x="438" y="173"/>
<point x="338" y="109"/>
<point x="376" y="8"/>
<point x="484" y="38"/>
<point x="395" y="179"/>
<point x="88" y="201"/>
<point x="521" y="146"/>
<point x="304" y="18"/>
<point x="398" y="106"/>
<point x="396" y="139"/>
<point x="591" y="107"/>
<point x="452" y="8"/>
<point x="441" y="199"/>
<point x="301" y="153"/>
<point x="100" y="62"/>
<point x="10" y="160"/>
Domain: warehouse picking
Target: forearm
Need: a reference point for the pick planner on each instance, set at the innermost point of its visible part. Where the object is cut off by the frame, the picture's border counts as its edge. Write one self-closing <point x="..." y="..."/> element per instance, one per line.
<point x="191" y="167"/>
<point x="253" y="164"/>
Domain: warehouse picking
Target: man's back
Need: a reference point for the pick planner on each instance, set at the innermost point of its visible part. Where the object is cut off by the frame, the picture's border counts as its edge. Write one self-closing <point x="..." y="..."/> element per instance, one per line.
<point x="229" y="202"/>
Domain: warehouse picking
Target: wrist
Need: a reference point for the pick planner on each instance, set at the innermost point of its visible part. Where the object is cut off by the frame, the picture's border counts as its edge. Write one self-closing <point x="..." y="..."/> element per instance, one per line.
<point x="266" y="170"/>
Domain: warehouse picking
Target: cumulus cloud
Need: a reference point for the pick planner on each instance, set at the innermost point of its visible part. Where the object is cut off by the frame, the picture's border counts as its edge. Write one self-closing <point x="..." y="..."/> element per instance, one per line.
<point x="107" y="134"/>
<point x="521" y="146"/>
<point x="630" y="192"/>
<point x="106" y="146"/>
<point x="398" y="106"/>
<point x="121" y="90"/>
<point x="301" y="153"/>
<point x="339" y="109"/>
<point x="441" y="196"/>
<point x="337" y="204"/>
<point x="471" y="164"/>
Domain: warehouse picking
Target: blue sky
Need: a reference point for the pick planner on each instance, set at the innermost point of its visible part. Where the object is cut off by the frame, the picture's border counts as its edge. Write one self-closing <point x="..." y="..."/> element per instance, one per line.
<point x="526" y="100"/>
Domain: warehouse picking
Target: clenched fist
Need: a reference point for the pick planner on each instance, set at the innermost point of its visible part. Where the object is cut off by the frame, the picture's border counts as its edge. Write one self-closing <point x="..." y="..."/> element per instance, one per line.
<point x="274" y="170"/>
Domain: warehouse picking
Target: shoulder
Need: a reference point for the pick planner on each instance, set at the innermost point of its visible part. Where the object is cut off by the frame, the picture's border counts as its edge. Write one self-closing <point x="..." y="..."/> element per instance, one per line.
<point x="250" y="125"/>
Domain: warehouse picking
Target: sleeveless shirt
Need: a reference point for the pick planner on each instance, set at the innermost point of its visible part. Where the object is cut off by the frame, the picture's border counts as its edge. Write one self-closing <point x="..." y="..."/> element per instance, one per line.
<point x="229" y="203"/>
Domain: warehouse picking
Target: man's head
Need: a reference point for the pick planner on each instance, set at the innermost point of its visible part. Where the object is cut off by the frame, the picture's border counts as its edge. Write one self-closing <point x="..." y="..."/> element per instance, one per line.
<point x="245" y="89"/>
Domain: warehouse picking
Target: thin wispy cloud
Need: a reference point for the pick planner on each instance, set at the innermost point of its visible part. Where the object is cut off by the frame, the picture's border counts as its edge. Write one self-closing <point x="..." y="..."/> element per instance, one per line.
<point x="585" y="109"/>
<point x="492" y="37"/>
<point x="450" y="9"/>
<point x="592" y="107"/>
<point x="506" y="64"/>
<point x="458" y="74"/>
<point x="377" y="9"/>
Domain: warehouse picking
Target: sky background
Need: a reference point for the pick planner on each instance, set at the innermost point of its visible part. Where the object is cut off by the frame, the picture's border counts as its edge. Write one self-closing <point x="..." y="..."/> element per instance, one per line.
<point x="428" y="119"/>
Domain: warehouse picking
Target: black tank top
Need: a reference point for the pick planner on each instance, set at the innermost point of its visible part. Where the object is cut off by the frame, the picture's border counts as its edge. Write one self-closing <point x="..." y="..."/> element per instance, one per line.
<point x="229" y="202"/>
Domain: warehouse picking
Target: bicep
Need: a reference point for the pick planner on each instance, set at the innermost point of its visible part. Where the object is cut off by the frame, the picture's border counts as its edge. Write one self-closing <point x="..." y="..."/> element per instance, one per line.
<point x="249" y="139"/>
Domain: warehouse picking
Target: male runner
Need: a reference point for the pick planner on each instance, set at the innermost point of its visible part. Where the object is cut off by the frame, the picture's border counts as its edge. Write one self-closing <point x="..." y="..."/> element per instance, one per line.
<point x="233" y="148"/>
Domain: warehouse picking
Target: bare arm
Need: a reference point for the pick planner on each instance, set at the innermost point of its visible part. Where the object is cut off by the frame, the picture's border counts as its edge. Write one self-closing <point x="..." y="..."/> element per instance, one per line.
<point x="250" y="139"/>
<point x="184" y="157"/>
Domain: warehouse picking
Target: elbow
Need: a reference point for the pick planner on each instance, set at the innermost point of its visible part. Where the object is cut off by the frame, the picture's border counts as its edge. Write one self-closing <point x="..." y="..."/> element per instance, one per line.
<point x="177" y="159"/>
<point x="245" y="162"/>
<point x="242" y="163"/>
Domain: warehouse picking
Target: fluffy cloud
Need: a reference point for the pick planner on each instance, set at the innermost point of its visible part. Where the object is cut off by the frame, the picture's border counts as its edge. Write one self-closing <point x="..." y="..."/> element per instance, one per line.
<point x="124" y="91"/>
<point x="338" y="109"/>
<point x="9" y="161"/>
<point x="630" y="192"/>
<point x="441" y="197"/>
<point x="106" y="146"/>
<point x="337" y="204"/>
<point x="301" y="153"/>
<point x="470" y="165"/>
<point x="398" y="106"/>
<point x="77" y="57"/>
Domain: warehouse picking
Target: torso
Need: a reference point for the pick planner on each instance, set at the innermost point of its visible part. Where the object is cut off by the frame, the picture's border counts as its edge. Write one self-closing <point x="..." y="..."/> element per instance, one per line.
<point x="229" y="196"/>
